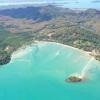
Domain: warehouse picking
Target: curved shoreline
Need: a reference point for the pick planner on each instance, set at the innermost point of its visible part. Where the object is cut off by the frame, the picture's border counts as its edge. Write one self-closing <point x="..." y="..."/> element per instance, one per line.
<point x="20" y="52"/>
<point x="80" y="50"/>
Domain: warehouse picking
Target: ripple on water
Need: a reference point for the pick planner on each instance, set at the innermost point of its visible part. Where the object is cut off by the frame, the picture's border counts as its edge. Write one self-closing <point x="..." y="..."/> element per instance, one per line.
<point x="39" y="73"/>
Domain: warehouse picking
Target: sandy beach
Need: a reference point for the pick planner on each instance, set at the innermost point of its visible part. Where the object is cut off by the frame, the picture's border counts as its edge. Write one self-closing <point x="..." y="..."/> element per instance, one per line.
<point x="27" y="48"/>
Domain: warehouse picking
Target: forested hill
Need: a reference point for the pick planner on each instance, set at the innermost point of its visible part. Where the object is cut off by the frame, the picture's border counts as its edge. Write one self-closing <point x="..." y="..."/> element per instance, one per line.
<point x="37" y="13"/>
<point x="21" y="26"/>
<point x="48" y="12"/>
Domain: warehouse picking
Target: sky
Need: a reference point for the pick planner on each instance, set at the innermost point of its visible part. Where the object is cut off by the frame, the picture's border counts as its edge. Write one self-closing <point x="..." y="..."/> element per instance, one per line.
<point x="64" y="3"/>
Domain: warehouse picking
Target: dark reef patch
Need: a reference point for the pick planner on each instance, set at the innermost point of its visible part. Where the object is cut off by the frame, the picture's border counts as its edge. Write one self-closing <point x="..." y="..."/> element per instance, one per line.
<point x="4" y="57"/>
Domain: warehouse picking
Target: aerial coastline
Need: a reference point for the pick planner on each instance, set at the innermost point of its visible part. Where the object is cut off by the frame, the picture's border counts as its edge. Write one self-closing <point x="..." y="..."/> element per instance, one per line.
<point x="79" y="29"/>
<point x="49" y="49"/>
<point x="28" y="47"/>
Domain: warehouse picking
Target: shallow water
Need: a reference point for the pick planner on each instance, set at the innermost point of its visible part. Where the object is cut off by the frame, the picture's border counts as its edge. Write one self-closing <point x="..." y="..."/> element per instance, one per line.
<point x="40" y="73"/>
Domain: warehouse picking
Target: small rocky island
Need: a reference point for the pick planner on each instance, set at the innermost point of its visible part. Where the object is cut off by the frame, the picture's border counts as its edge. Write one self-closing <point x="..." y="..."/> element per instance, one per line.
<point x="4" y="58"/>
<point x="74" y="79"/>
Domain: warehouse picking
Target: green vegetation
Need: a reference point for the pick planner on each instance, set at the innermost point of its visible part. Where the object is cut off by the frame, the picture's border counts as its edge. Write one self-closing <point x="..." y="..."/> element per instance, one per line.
<point x="4" y="57"/>
<point x="74" y="79"/>
<point x="77" y="30"/>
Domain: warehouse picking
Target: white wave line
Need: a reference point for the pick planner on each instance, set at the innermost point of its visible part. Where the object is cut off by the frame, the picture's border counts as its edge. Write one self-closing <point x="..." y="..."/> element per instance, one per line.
<point x="86" y="68"/>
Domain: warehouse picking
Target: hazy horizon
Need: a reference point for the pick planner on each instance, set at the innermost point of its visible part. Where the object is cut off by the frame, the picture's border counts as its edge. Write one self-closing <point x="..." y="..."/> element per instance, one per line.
<point x="63" y="3"/>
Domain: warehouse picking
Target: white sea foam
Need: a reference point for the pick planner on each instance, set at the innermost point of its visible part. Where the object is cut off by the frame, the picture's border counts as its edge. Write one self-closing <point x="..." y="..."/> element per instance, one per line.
<point x="21" y="52"/>
<point x="87" y="67"/>
<point x="40" y="44"/>
<point x="67" y="46"/>
<point x="58" y="52"/>
<point x="24" y="50"/>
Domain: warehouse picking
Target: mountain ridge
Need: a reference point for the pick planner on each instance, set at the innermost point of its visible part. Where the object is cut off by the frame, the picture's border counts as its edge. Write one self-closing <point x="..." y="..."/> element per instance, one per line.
<point x="47" y="12"/>
<point x="21" y="26"/>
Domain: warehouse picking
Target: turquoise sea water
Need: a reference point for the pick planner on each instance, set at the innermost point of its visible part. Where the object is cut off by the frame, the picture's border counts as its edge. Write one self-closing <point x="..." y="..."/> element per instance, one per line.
<point x="39" y="73"/>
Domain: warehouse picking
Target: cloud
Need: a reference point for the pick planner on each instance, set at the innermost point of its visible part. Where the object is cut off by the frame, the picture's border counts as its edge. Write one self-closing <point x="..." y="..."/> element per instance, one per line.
<point x="14" y="1"/>
<point x="20" y="2"/>
<point x="96" y="1"/>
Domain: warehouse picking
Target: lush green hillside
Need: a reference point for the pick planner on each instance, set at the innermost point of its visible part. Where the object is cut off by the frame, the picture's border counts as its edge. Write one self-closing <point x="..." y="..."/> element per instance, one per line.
<point x="76" y="28"/>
